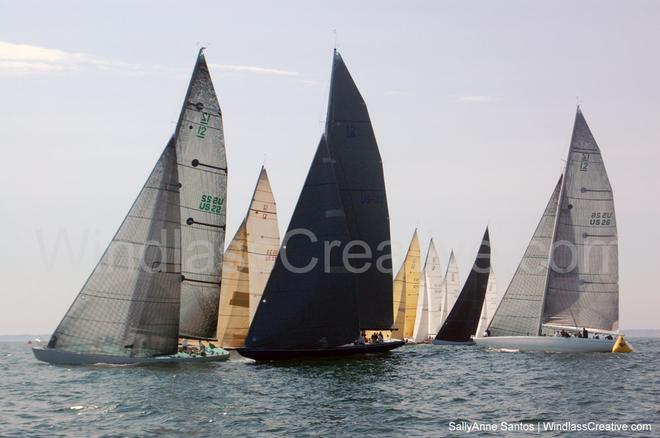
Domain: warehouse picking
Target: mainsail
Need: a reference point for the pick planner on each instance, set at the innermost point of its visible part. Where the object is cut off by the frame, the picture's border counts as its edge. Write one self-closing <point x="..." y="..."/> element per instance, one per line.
<point x="583" y="284"/>
<point x="406" y="291"/>
<point x="312" y="298"/>
<point x="247" y="264"/>
<point x="202" y="171"/>
<point x="490" y="303"/>
<point x="451" y="288"/>
<point x="129" y="305"/>
<point x="519" y="312"/>
<point x="463" y="319"/>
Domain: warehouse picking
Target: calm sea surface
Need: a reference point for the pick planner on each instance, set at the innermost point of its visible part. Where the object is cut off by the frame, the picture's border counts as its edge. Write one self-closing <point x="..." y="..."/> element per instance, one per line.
<point x="414" y="391"/>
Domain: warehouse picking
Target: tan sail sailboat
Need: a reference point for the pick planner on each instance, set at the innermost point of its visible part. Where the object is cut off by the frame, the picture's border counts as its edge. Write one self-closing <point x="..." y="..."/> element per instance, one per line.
<point x="248" y="261"/>
<point x="406" y="292"/>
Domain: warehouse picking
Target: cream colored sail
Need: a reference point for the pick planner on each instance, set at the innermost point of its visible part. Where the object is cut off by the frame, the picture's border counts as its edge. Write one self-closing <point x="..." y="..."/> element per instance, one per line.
<point x="406" y="292"/>
<point x="490" y="304"/>
<point x="263" y="237"/>
<point x="247" y="265"/>
<point x="451" y="286"/>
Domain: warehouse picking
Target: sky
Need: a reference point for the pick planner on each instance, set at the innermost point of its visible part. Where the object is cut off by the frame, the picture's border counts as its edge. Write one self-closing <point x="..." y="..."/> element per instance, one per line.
<point x="472" y="104"/>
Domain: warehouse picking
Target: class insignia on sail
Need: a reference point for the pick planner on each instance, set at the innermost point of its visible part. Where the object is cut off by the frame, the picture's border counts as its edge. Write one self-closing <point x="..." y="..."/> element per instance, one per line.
<point x="564" y="296"/>
<point x="154" y="273"/>
<point x="463" y="319"/>
<point x="314" y="303"/>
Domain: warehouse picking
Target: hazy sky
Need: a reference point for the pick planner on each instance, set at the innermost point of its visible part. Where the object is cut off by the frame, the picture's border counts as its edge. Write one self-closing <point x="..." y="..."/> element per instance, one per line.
<point x="472" y="104"/>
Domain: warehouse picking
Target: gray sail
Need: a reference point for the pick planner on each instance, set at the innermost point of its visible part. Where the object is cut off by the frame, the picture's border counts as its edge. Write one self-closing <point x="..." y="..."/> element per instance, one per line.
<point x="359" y="173"/>
<point x="519" y="312"/>
<point x="129" y="306"/>
<point x="583" y="285"/>
<point x="309" y="300"/>
<point x="202" y="168"/>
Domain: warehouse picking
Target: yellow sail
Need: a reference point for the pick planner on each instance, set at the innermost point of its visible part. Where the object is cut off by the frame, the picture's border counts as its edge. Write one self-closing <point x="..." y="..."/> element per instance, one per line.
<point x="248" y="261"/>
<point x="406" y="292"/>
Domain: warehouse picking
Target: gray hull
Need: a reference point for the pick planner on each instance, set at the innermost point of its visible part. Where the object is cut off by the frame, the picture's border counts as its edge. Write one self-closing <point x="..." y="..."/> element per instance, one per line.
<point x="60" y="357"/>
<point x="441" y="342"/>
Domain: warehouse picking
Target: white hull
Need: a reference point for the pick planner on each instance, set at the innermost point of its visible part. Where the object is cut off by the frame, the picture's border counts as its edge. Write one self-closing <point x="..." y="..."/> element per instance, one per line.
<point x="548" y="344"/>
<point x="60" y="357"/>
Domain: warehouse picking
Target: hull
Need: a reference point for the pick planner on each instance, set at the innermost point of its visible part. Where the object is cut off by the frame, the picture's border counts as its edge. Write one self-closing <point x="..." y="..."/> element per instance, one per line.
<point x="548" y="344"/>
<point x="266" y="354"/>
<point x="59" y="357"/>
<point x="441" y="342"/>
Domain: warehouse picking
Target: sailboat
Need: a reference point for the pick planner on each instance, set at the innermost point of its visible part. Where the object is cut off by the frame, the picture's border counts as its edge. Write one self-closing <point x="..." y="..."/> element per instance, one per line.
<point x="248" y="261"/>
<point x="463" y="319"/>
<point x="568" y="279"/>
<point x="431" y="297"/>
<point x="406" y="292"/>
<point x="160" y="274"/>
<point x="490" y="303"/>
<point x="318" y="301"/>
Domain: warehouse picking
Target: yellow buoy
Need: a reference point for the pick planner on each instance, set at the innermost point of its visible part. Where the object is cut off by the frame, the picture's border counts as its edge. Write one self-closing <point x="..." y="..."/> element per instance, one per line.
<point x="621" y="346"/>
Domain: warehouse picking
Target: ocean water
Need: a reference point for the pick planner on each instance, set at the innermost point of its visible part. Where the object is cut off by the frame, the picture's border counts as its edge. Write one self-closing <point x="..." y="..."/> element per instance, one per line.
<point x="417" y="390"/>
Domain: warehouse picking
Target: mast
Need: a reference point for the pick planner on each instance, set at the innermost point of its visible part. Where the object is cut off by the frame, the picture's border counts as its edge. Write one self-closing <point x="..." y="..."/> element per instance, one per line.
<point x="202" y="170"/>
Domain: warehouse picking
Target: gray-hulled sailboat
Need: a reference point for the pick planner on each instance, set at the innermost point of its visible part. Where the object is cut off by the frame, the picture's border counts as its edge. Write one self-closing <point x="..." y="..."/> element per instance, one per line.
<point x="315" y="304"/>
<point x="463" y="319"/>
<point x="568" y="279"/>
<point x="159" y="276"/>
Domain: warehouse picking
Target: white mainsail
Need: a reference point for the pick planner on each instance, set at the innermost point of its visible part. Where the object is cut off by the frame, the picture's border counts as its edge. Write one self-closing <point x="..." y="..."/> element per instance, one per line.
<point x="429" y="308"/>
<point x="248" y="261"/>
<point x="490" y="303"/>
<point x="451" y="288"/>
<point x="202" y="171"/>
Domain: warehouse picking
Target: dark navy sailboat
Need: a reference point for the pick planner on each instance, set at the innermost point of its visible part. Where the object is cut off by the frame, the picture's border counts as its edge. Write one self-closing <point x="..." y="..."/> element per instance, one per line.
<point x="462" y="322"/>
<point x="315" y="304"/>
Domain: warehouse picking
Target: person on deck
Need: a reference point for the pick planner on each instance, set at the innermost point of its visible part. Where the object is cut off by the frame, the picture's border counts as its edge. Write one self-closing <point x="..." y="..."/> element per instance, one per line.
<point x="380" y="337"/>
<point x="585" y="333"/>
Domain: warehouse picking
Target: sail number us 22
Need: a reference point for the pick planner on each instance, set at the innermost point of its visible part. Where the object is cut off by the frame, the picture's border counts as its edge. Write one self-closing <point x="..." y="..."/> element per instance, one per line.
<point x="212" y="204"/>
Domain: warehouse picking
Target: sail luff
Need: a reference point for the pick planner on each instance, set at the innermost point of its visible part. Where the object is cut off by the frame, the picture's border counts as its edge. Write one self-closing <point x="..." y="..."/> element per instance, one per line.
<point x="202" y="170"/>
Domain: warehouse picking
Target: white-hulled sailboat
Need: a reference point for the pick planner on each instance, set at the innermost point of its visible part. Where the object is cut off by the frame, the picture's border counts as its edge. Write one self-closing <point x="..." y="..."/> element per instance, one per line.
<point x="568" y="279"/>
<point x="160" y="275"/>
